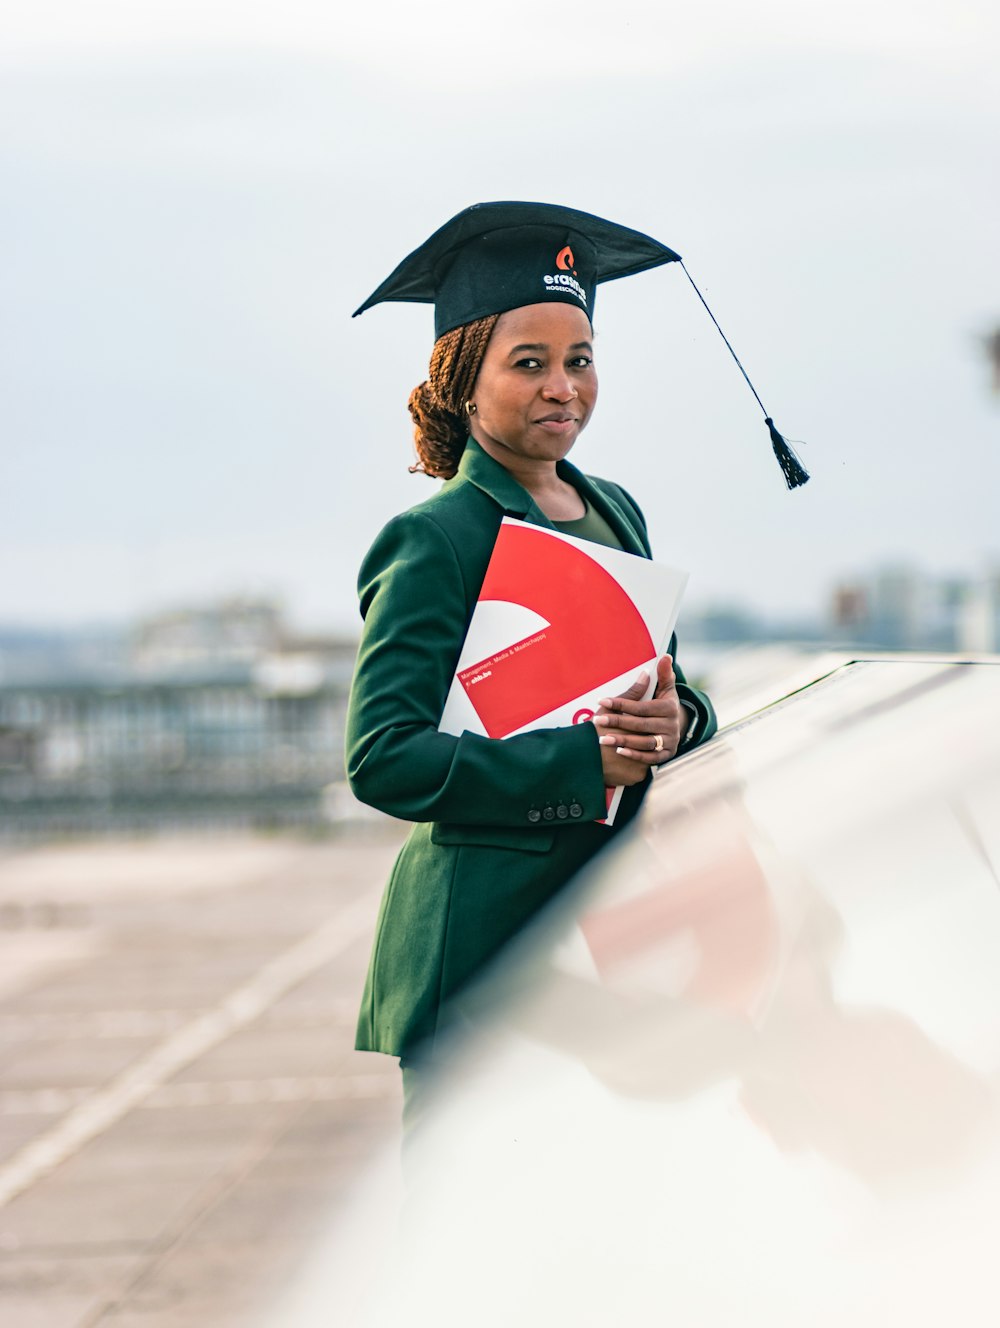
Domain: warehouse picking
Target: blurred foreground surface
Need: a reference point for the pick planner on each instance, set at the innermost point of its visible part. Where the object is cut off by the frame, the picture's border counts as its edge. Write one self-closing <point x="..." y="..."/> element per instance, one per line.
<point x="746" y="1070"/>
<point x="181" y="1110"/>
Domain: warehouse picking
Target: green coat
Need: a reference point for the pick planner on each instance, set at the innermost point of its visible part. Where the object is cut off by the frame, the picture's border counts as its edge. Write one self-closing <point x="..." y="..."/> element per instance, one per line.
<point x="480" y="860"/>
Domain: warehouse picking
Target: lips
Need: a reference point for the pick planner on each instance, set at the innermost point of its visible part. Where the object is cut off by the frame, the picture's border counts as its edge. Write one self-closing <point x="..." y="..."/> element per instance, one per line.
<point x="556" y="417"/>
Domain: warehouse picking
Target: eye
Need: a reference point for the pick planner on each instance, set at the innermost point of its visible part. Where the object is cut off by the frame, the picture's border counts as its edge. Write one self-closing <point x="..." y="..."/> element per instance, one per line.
<point x="529" y="362"/>
<point x="581" y="361"/>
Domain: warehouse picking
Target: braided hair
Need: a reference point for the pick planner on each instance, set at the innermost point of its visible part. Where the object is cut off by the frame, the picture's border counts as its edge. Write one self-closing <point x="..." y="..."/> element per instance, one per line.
<point x="437" y="405"/>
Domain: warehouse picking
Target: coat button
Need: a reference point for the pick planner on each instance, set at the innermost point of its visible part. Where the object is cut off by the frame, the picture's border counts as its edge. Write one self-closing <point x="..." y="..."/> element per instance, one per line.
<point x="549" y="813"/>
<point x="534" y="815"/>
<point x="575" y="810"/>
<point x="562" y="811"/>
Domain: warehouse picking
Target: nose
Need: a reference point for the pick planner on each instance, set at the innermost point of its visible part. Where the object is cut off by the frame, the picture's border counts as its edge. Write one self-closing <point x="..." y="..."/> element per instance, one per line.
<point x="559" y="387"/>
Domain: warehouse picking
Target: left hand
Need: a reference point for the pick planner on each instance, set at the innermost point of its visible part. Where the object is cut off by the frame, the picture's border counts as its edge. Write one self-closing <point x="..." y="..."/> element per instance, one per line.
<point x="633" y="726"/>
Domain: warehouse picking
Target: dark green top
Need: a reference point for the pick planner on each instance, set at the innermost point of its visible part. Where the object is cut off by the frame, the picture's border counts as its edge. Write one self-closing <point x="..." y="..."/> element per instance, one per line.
<point x="591" y="526"/>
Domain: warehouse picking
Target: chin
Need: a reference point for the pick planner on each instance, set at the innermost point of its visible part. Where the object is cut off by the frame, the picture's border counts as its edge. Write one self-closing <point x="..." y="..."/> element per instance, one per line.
<point x="557" y="450"/>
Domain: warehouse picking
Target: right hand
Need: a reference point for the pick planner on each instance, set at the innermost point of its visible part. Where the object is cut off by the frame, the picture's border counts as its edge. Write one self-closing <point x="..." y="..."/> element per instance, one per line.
<point x="621" y="769"/>
<point x="624" y="769"/>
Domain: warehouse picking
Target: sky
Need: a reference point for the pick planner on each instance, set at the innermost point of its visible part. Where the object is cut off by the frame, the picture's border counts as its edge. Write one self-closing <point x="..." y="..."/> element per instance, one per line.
<point x="196" y="196"/>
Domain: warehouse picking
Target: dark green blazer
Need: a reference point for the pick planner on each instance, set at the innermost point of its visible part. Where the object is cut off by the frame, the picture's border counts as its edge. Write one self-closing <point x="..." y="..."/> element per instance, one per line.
<point x="501" y="824"/>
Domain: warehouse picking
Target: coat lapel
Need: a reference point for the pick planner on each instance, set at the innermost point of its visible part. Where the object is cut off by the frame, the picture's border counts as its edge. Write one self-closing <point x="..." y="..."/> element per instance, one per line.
<point x="613" y="512"/>
<point x="478" y="468"/>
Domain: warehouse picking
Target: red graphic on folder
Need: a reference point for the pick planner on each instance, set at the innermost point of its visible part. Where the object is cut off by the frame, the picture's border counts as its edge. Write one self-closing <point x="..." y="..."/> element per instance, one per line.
<point x="595" y="631"/>
<point x="560" y="622"/>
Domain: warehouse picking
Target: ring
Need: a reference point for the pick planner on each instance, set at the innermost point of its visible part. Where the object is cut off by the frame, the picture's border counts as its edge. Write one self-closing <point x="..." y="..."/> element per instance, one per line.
<point x="658" y="744"/>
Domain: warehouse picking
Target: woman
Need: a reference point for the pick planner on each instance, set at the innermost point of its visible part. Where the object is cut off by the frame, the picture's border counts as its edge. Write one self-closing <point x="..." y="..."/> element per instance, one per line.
<point x="500" y="824"/>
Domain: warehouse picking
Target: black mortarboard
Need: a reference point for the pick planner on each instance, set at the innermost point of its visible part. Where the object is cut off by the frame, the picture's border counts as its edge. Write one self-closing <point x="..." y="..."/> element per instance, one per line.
<point x="499" y="256"/>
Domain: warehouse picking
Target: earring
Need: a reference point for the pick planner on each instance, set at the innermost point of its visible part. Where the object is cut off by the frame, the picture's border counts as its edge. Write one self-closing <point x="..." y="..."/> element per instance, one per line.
<point x="470" y="408"/>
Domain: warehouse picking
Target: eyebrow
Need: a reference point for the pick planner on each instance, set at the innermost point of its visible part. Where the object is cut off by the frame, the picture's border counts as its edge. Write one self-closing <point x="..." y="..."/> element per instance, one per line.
<point x="541" y="345"/>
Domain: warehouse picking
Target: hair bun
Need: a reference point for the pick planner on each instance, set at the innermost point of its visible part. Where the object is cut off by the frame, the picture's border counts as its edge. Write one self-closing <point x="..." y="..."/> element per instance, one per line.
<point x="439" y="426"/>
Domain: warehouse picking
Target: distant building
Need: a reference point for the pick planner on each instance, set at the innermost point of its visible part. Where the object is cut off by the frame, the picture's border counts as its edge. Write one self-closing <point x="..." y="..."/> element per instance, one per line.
<point x="718" y="625"/>
<point x="234" y="631"/>
<point x="218" y="719"/>
<point x="901" y="608"/>
<point x="991" y="344"/>
<point x="850" y="610"/>
<point x="899" y="599"/>
<point x="978" y="617"/>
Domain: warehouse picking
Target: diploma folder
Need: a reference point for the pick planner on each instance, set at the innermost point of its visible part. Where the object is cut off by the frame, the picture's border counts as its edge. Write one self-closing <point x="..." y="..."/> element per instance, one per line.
<point x="560" y="622"/>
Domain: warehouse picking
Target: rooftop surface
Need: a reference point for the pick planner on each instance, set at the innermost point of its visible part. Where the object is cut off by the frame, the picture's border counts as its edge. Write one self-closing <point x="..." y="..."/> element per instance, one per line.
<point x="181" y="1110"/>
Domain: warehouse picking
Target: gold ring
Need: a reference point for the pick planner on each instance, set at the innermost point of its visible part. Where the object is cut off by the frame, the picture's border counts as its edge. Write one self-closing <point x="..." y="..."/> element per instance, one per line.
<point x="658" y="746"/>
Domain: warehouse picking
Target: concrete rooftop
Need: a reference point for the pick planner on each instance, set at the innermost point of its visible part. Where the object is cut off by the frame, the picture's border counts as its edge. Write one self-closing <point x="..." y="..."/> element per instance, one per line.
<point x="181" y="1109"/>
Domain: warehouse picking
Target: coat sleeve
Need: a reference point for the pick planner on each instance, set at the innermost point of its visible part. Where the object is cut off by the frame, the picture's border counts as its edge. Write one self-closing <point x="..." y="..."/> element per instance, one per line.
<point x="415" y="606"/>
<point x="707" y="724"/>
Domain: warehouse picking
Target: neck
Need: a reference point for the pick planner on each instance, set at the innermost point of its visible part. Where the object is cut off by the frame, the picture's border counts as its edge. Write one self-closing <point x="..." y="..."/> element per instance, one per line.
<point x="557" y="498"/>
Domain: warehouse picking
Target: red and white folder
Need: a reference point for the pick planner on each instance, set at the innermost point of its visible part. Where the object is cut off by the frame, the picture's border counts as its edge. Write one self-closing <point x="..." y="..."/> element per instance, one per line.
<point x="560" y="623"/>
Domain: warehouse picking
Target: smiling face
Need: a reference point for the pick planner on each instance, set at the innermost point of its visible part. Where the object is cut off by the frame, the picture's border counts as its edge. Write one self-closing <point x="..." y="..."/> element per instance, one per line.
<point x="537" y="386"/>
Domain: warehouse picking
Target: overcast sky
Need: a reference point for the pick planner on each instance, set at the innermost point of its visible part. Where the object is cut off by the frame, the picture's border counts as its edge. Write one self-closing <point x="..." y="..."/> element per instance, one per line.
<point x="196" y="196"/>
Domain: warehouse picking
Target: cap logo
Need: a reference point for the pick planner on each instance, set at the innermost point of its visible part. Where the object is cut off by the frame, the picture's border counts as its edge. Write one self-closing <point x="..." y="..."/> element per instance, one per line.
<point x="564" y="281"/>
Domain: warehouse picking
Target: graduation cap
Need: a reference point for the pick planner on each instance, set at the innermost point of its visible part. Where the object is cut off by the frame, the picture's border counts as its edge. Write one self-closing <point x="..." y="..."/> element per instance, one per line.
<point x="493" y="257"/>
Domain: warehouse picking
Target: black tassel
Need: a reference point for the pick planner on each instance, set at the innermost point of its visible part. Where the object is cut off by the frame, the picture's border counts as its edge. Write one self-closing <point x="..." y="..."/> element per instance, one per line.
<point x="791" y="467"/>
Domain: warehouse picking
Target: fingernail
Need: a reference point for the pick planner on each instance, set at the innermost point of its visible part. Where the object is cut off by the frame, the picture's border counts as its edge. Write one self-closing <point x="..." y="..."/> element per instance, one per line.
<point x="622" y="751"/>
<point x="608" y="740"/>
<point x="643" y="678"/>
<point x="606" y="703"/>
<point x="600" y="719"/>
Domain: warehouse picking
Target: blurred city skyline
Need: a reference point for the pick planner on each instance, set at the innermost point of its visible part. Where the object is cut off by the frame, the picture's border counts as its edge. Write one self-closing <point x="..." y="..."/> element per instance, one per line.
<point x="197" y="197"/>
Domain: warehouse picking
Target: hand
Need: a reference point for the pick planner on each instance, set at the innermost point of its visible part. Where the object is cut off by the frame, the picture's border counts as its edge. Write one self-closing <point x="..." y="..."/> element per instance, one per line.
<point x="621" y="770"/>
<point x="629" y="727"/>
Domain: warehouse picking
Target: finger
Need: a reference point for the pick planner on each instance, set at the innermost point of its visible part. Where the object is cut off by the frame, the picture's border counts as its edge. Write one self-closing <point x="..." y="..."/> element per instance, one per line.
<point x="621" y="705"/>
<point x="644" y="758"/>
<point x="645" y="717"/>
<point x="633" y="726"/>
<point x="631" y="694"/>
<point x="644" y="747"/>
<point x="665" y="678"/>
<point x="664" y="706"/>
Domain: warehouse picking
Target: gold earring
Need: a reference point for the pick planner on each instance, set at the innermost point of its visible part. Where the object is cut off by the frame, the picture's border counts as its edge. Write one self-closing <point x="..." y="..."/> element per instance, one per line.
<point x="471" y="408"/>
